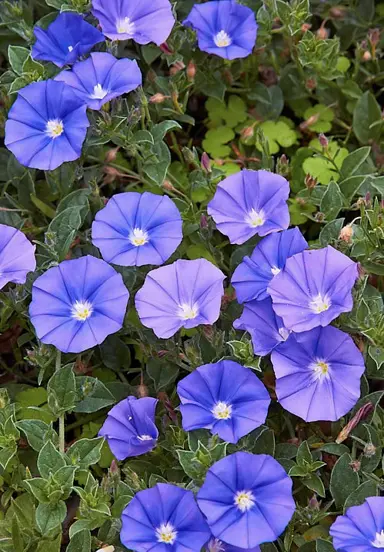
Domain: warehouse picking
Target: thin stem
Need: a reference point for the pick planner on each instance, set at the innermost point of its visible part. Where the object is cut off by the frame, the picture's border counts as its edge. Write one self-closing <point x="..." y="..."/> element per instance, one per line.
<point x="61" y="417"/>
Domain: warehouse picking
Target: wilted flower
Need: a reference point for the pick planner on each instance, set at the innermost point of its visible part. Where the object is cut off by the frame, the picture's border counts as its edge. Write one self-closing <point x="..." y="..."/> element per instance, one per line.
<point x="224" y="28"/>
<point x="360" y="415"/>
<point x="216" y="545"/>
<point x="183" y="294"/>
<point x="143" y="21"/>
<point x="247" y="499"/>
<point x="264" y="326"/>
<point x="313" y="288"/>
<point x="46" y="125"/>
<point x="137" y="229"/>
<point x="225" y="398"/>
<point x="346" y="233"/>
<point x="77" y="304"/>
<point x="318" y="374"/>
<point x="165" y="518"/>
<point x="65" y="40"/>
<point x="249" y="203"/>
<point x="252" y="276"/>
<point x="17" y="256"/>
<point x="130" y="428"/>
<point x="361" y="528"/>
<point x="102" y="77"/>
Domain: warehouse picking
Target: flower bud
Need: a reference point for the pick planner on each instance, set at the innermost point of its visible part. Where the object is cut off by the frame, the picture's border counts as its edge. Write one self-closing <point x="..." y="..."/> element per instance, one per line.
<point x="374" y="37"/>
<point x="191" y="71"/>
<point x="111" y="154"/>
<point x="168" y="186"/>
<point x="142" y="390"/>
<point x="367" y="56"/>
<point x="369" y="450"/>
<point x="305" y="27"/>
<point x="177" y="67"/>
<point x="166" y="49"/>
<point x="360" y="415"/>
<point x="247" y="132"/>
<point x="310" y="84"/>
<point x="310" y="181"/>
<point x="203" y="221"/>
<point x="346" y="234"/>
<point x="322" y="33"/>
<point x="157" y="98"/>
<point x="206" y="163"/>
<point x="323" y="140"/>
<point x="337" y="12"/>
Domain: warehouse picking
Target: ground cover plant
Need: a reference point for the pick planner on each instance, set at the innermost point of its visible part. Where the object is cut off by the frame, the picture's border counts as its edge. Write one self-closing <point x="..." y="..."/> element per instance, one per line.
<point x="191" y="276"/>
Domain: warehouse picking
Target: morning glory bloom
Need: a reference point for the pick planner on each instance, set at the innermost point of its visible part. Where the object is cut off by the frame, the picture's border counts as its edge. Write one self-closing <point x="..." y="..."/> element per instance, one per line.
<point x="46" y="125"/>
<point x="224" y="28"/>
<point x="252" y="276"/>
<point x="225" y="398"/>
<point x="361" y="528"/>
<point x="313" y="288"/>
<point x="249" y="203"/>
<point x="137" y="229"/>
<point x="130" y="428"/>
<point x="247" y="499"/>
<point x="264" y="326"/>
<point x="216" y="545"/>
<point x="102" y="77"/>
<point x="318" y="374"/>
<point x="17" y="256"/>
<point x="183" y="294"/>
<point x="164" y="518"/>
<point x="65" y="40"/>
<point x="143" y="21"/>
<point x="78" y="303"/>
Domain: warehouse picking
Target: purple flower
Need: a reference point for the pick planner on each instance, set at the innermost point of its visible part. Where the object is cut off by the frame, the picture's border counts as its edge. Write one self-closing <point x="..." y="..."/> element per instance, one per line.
<point x="65" y="40"/>
<point x="17" y="256"/>
<point x="318" y="374"/>
<point x="138" y="229"/>
<point x="102" y="77"/>
<point x="249" y="203"/>
<point x="313" y="288"/>
<point x="216" y="545"/>
<point x="46" y="125"/>
<point x="142" y="20"/>
<point x="77" y="304"/>
<point x="247" y="499"/>
<point x="361" y="529"/>
<point x="252" y="276"/>
<point x="130" y="427"/>
<point x="225" y="398"/>
<point x="183" y="294"/>
<point x="164" y="518"/>
<point x="264" y="326"/>
<point x="224" y="28"/>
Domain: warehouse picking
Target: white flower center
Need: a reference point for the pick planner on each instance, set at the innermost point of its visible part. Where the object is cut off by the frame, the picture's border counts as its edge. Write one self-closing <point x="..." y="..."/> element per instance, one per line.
<point x="70" y="48"/>
<point x="125" y="26"/>
<point x="244" y="500"/>
<point x="166" y="533"/>
<point x="138" y="237"/>
<point x="81" y="310"/>
<point x="379" y="540"/>
<point x="275" y="270"/>
<point x="222" y="39"/>
<point x="98" y="92"/>
<point x="222" y="411"/>
<point x="188" y="312"/>
<point x="144" y="438"/>
<point x="54" y="128"/>
<point x="320" y="369"/>
<point x="255" y="218"/>
<point x="320" y="304"/>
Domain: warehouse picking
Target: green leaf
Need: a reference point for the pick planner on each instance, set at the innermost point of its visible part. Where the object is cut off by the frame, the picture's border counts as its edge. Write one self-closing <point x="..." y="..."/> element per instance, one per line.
<point x="344" y="480"/>
<point x="17" y="56"/>
<point x="351" y="185"/>
<point x="62" y="390"/>
<point x="65" y="226"/>
<point x="191" y="466"/>
<point x="77" y="200"/>
<point x="33" y="396"/>
<point x="50" y="516"/>
<point x="38" y="487"/>
<point x="332" y="201"/>
<point x="6" y="456"/>
<point x="80" y="542"/>
<point x="324" y="546"/>
<point x="215" y="141"/>
<point x="37" y="433"/>
<point x="313" y="482"/>
<point x="93" y="395"/>
<point x="269" y="100"/>
<point x="304" y="455"/>
<point x="353" y="162"/>
<point x="363" y="491"/>
<point x="161" y="129"/>
<point x="161" y="373"/>
<point x="85" y="452"/>
<point x="367" y="112"/>
<point x="377" y="354"/>
<point x="49" y="460"/>
<point x="331" y="231"/>
<point x="278" y="133"/>
<point x="322" y="116"/>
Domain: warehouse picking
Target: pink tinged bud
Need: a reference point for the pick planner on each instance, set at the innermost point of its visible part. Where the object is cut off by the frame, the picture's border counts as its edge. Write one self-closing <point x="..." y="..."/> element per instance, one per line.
<point x="203" y="221"/>
<point x="346" y="234"/>
<point x="191" y="71"/>
<point x="355" y="465"/>
<point x="313" y="503"/>
<point x="166" y="49"/>
<point x="247" y="132"/>
<point x="369" y="450"/>
<point x="114" y="469"/>
<point x="322" y="33"/>
<point x="206" y="163"/>
<point x="157" y="98"/>
<point x="360" y="415"/>
<point x="367" y="56"/>
<point x="323" y="140"/>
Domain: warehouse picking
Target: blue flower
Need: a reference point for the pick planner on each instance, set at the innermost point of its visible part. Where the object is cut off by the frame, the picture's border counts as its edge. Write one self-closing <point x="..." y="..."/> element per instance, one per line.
<point x="246" y="499"/>
<point x="77" y="304"/>
<point x="318" y="374"/>
<point x="251" y="278"/>
<point x="361" y="528"/>
<point x="164" y="518"/>
<point x="143" y="21"/>
<point x="138" y="229"/>
<point x="225" y="398"/>
<point x="266" y="329"/>
<point x="65" y="40"/>
<point x="249" y="203"/>
<point x="130" y="427"/>
<point x="224" y="28"/>
<point x="17" y="256"/>
<point x="46" y="125"/>
<point x="102" y="77"/>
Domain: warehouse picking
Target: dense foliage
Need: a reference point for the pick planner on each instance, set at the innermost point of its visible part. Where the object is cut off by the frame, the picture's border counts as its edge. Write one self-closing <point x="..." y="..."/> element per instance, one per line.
<point x="305" y="105"/>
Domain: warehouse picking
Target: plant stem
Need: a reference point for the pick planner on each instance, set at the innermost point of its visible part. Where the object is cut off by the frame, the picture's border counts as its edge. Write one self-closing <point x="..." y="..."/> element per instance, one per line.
<point x="62" y="416"/>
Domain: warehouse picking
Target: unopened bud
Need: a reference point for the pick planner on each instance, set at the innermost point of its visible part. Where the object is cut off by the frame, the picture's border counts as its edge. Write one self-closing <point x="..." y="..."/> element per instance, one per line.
<point x="323" y="140"/>
<point x="360" y="415"/>
<point x="142" y="390"/>
<point x="310" y="84"/>
<point x="111" y="154"/>
<point x="203" y="221"/>
<point x="206" y="163"/>
<point x="355" y="465"/>
<point x="247" y="132"/>
<point x="191" y="71"/>
<point x="310" y="121"/>
<point x="157" y="98"/>
<point x="322" y="33"/>
<point x="346" y="234"/>
<point x="177" y="67"/>
<point x="168" y="186"/>
<point x="337" y="12"/>
<point x="374" y="37"/>
<point x="367" y="56"/>
<point x="369" y="450"/>
<point x="310" y="181"/>
<point x="305" y="27"/>
<point x="284" y="160"/>
<point x="114" y="468"/>
<point x="313" y="503"/>
<point x="165" y="49"/>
